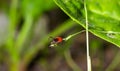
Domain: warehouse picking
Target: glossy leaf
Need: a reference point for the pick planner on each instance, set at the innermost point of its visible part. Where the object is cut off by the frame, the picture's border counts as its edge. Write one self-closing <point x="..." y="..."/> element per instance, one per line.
<point x="103" y="17"/>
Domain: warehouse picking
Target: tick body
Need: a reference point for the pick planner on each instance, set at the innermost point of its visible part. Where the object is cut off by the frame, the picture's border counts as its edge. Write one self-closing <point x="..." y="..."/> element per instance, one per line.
<point x="56" y="41"/>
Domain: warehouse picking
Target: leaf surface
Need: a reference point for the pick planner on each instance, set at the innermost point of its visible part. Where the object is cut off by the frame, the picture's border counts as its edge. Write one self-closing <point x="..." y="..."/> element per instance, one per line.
<point x="103" y="17"/>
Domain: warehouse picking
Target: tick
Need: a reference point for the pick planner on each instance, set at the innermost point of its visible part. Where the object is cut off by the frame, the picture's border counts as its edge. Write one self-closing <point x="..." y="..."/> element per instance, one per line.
<point x="55" y="41"/>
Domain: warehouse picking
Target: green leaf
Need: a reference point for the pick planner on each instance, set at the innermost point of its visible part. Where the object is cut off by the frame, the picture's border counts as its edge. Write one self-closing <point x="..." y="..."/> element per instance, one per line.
<point x="103" y="17"/>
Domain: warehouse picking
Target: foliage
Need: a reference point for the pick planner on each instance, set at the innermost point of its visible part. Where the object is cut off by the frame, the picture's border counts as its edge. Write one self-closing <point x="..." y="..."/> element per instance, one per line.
<point x="18" y="46"/>
<point x="103" y="17"/>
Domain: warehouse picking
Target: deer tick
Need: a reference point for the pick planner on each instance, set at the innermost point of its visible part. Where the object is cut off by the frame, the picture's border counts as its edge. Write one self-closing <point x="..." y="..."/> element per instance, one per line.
<point x="55" y="41"/>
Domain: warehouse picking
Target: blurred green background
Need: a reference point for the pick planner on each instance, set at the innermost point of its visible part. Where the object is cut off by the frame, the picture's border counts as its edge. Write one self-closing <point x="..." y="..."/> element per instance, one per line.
<point x="25" y="28"/>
